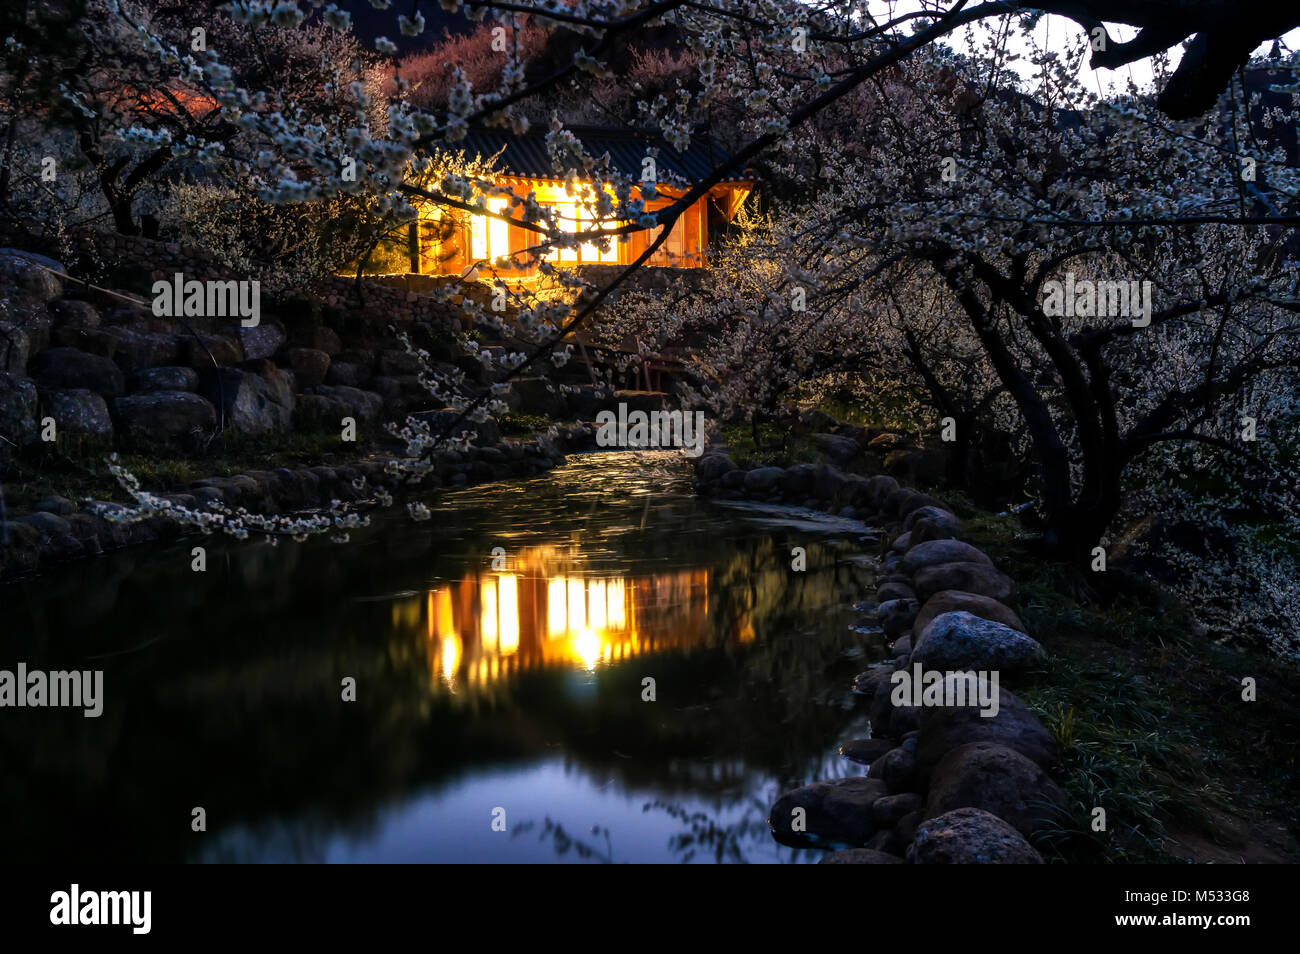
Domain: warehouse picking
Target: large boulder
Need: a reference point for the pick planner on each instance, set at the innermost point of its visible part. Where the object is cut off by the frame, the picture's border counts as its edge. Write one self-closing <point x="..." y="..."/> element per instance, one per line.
<point x="263" y="340"/>
<point x="798" y="480"/>
<point x="816" y="420"/>
<point x="18" y="423"/>
<point x="912" y="501"/>
<point x="137" y="350"/>
<point x="50" y="525"/>
<point x="309" y="366"/>
<point x="931" y="528"/>
<point x="319" y="338"/>
<point x="15" y="347"/>
<point x="945" y="727"/>
<point x="171" y="378"/>
<point x="70" y="369"/>
<point x="949" y="601"/>
<point x="934" y="552"/>
<point x="888" y="719"/>
<point x="894" y="590"/>
<point x="401" y="394"/>
<point x="892" y="809"/>
<point x="365" y="406"/>
<point x="978" y="578"/>
<point x="839" y="449"/>
<point x="29" y="278"/>
<point x="348" y="374"/>
<point x="897" y="769"/>
<point x="939" y="515"/>
<point x="879" y="488"/>
<point x="961" y="640"/>
<point x="896" y="616"/>
<point x="79" y="414"/>
<point x="997" y="779"/>
<point x="837" y="811"/>
<point x="829" y="484"/>
<point x="162" y="420"/>
<point x="72" y="313"/>
<point x="256" y="399"/>
<point x="763" y="480"/>
<point x="970" y="836"/>
<point x="712" y="466"/>
<point x="201" y="352"/>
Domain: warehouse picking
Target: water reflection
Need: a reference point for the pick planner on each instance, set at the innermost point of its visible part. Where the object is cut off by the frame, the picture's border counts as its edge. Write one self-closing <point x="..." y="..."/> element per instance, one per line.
<point x="546" y="610"/>
<point x="516" y="683"/>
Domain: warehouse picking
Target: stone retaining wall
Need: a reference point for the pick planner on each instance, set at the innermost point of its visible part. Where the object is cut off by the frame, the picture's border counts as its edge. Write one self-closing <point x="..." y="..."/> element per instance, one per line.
<point x="944" y="783"/>
<point x="377" y="302"/>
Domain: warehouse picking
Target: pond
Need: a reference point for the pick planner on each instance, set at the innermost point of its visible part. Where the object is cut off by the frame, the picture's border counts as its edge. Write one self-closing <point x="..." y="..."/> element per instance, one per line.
<point x="592" y="665"/>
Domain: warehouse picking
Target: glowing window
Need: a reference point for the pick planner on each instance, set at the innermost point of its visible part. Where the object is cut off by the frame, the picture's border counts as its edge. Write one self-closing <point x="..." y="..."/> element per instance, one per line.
<point x="489" y="238"/>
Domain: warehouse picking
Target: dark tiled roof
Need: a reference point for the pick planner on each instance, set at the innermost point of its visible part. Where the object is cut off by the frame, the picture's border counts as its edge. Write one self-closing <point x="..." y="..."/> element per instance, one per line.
<point x="527" y="156"/>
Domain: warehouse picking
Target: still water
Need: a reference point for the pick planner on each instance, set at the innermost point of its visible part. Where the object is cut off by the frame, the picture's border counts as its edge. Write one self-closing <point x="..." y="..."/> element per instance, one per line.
<point x="491" y="685"/>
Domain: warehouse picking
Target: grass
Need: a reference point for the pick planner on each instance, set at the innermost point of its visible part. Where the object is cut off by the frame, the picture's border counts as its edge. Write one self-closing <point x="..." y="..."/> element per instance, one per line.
<point x="1147" y="708"/>
<point x="517" y="424"/>
<point x="776" y="445"/>
<point x="1150" y="719"/>
<point x="885" y="411"/>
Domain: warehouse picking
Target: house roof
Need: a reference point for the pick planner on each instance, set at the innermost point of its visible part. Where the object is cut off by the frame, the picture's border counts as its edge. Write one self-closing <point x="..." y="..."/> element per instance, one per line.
<point x="527" y="156"/>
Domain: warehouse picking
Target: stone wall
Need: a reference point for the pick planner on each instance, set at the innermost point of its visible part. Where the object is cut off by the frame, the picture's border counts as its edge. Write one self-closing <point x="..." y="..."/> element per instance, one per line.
<point x="112" y="375"/>
<point x="373" y="301"/>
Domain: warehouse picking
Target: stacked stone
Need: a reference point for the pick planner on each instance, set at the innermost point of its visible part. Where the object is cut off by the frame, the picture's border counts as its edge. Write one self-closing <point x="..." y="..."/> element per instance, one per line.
<point x="944" y="783"/>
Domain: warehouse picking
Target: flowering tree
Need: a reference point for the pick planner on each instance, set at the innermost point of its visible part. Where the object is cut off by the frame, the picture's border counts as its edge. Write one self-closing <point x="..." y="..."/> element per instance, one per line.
<point x="1111" y="292"/>
<point x="879" y="134"/>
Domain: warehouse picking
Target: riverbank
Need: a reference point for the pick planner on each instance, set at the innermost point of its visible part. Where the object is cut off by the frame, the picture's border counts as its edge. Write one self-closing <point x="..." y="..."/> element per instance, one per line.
<point x="1131" y="708"/>
<point x="54" y="529"/>
<point x="956" y="768"/>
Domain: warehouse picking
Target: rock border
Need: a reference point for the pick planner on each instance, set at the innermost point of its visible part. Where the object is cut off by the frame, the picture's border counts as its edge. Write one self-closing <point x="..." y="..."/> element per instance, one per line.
<point x="944" y="784"/>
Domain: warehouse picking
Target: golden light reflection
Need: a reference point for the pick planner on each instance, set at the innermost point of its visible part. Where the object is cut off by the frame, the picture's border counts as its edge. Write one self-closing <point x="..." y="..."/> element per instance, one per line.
<point x="587" y="644"/>
<point x="450" y="657"/>
<point x="557" y="619"/>
<point x="577" y="606"/>
<point x="616" y="598"/>
<point x="596" y="604"/>
<point x="554" y="612"/>
<point x="488" y="614"/>
<point x="508" y="613"/>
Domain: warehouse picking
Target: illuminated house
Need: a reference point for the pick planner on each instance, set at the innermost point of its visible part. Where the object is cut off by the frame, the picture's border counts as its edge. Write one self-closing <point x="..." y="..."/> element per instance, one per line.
<point x="447" y="242"/>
